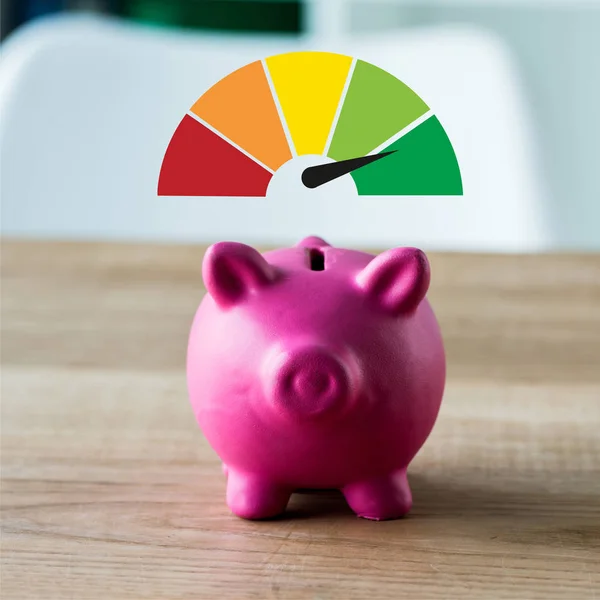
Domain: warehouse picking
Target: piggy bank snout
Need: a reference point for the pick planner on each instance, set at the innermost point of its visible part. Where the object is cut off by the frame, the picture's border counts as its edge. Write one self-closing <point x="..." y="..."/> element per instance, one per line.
<point x="311" y="382"/>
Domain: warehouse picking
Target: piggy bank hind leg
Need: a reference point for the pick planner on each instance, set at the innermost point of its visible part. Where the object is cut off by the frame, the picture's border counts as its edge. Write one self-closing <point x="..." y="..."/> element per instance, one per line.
<point x="254" y="497"/>
<point x="387" y="497"/>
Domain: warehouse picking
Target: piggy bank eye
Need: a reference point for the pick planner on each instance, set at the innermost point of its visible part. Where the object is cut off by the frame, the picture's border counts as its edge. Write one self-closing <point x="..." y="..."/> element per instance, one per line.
<point x="397" y="280"/>
<point x="231" y="271"/>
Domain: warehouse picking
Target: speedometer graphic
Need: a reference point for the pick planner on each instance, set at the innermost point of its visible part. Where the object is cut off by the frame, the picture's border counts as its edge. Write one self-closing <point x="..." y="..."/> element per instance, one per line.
<point x="364" y="123"/>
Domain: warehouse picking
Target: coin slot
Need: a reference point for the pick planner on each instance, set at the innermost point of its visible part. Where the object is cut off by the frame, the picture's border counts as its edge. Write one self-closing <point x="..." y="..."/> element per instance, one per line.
<point x="316" y="259"/>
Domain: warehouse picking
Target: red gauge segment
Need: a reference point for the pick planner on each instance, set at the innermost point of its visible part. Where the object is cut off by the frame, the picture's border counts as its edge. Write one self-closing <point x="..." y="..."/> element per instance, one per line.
<point x="198" y="162"/>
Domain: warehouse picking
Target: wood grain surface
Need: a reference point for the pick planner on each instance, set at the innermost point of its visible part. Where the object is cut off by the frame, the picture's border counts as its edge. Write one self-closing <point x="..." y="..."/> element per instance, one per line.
<point x="110" y="491"/>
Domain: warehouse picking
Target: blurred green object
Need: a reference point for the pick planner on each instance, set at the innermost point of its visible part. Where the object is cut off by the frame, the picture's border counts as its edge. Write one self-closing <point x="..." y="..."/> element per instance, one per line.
<point x="261" y="16"/>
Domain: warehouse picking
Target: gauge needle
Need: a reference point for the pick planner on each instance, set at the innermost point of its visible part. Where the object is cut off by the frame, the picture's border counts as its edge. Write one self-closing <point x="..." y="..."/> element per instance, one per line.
<point x="313" y="177"/>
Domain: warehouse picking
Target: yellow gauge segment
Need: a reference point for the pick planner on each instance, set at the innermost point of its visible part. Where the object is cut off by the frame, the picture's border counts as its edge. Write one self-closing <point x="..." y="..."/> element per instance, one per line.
<point x="309" y="87"/>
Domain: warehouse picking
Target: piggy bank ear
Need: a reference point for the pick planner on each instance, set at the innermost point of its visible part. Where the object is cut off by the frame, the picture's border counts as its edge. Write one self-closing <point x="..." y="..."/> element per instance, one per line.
<point x="312" y="242"/>
<point x="231" y="271"/>
<point x="397" y="279"/>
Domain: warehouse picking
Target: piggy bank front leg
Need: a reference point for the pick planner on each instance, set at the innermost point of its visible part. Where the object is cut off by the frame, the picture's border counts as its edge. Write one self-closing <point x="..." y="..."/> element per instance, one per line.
<point x="387" y="497"/>
<point x="254" y="497"/>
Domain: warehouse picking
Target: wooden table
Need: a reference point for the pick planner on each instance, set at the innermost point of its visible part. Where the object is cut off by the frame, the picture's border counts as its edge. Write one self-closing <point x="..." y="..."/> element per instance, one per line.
<point x="110" y="491"/>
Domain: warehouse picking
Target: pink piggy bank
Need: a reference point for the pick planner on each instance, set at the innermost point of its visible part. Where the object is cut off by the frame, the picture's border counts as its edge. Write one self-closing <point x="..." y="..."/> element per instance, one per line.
<point x="315" y="367"/>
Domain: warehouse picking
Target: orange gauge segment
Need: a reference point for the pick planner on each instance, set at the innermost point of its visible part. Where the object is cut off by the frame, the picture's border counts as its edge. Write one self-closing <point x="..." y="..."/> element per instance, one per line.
<point x="241" y="107"/>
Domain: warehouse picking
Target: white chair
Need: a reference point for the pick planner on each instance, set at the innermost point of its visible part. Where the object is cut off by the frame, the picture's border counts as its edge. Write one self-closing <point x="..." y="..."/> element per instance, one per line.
<point x="88" y="105"/>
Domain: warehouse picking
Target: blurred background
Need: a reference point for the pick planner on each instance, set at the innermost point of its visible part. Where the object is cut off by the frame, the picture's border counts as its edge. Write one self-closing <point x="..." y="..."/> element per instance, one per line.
<point x="92" y="90"/>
